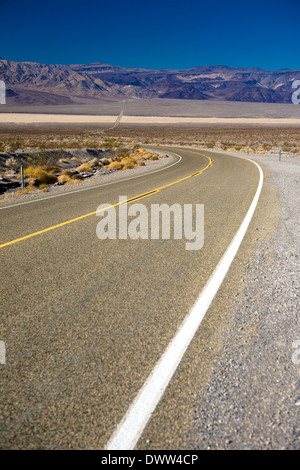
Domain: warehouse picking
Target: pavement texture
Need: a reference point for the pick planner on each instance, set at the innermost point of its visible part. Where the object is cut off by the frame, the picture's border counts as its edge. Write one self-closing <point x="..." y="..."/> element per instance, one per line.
<point x="85" y="321"/>
<point x="247" y="395"/>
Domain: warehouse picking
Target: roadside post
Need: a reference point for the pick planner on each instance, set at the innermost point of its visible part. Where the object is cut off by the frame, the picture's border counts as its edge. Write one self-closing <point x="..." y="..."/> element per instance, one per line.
<point x="22" y="177"/>
<point x="280" y="153"/>
<point x="2" y="352"/>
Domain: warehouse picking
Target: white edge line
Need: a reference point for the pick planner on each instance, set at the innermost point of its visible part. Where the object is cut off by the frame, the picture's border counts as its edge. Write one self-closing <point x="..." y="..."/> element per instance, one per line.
<point x="132" y="425"/>
<point x="96" y="186"/>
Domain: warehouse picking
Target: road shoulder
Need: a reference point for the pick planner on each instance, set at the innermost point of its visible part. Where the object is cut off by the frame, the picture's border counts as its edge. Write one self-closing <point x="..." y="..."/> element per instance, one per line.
<point x="251" y="400"/>
<point x="96" y="180"/>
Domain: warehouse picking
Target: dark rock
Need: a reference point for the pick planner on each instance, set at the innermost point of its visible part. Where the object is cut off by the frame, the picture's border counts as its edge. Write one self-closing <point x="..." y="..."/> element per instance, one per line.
<point x="6" y="185"/>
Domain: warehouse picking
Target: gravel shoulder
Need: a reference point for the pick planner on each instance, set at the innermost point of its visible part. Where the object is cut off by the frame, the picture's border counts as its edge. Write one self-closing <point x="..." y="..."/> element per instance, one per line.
<point x="252" y="397"/>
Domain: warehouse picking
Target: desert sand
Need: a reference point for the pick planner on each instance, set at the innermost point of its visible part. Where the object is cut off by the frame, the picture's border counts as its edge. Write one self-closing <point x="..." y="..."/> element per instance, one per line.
<point x="24" y="118"/>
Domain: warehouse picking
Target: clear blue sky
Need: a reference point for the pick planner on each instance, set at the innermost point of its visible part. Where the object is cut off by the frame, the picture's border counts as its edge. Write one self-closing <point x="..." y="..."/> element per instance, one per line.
<point x="160" y="34"/>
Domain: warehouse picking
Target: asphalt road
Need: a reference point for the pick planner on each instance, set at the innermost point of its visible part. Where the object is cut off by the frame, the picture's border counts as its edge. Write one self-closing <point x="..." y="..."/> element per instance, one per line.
<point x="85" y="320"/>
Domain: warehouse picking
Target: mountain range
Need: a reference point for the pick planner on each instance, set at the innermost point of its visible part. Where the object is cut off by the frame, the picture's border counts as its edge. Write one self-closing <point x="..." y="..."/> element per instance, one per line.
<point x="30" y="83"/>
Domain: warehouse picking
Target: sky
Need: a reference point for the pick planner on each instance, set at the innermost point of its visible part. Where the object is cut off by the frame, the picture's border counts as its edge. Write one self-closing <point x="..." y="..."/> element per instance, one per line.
<point x="158" y="34"/>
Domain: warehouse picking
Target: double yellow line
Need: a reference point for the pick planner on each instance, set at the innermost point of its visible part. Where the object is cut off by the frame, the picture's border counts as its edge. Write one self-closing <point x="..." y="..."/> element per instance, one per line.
<point x="150" y="193"/>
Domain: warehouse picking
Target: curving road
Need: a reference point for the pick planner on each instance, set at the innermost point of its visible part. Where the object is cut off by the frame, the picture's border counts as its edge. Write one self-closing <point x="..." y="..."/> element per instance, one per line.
<point x="85" y="320"/>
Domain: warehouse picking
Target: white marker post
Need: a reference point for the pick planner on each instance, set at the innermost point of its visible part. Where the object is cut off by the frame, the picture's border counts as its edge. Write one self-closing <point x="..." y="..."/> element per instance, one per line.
<point x="22" y="178"/>
<point x="2" y="353"/>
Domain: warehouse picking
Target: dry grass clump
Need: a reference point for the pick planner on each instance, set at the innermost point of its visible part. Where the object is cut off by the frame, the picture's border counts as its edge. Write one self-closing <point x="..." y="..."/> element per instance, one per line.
<point x="141" y="163"/>
<point x="68" y="177"/>
<point x="75" y="159"/>
<point x="29" y="189"/>
<point x="64" y="179"/>
<point x="123" y="152"/>
<point x="67" y="173"/>
<point x="85" y="168"/>
<point x="39" y="175"/>
<point x="94" y="162"/>
<point x="142" y="154"/>
<point x="128" y="160"/>
<point x="71" y="175"/>
<point x="128" y="166"/>
<point x="115" y="165"/>
<point x="153" y="157"/>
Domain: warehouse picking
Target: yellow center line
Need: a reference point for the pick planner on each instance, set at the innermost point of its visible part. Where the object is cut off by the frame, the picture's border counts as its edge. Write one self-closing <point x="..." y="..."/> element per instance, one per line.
<point x="150" y="193"/>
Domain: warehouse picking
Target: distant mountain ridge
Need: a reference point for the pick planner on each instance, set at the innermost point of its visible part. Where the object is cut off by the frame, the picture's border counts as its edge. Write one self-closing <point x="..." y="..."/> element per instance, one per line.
<point x="35" y="83"/>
